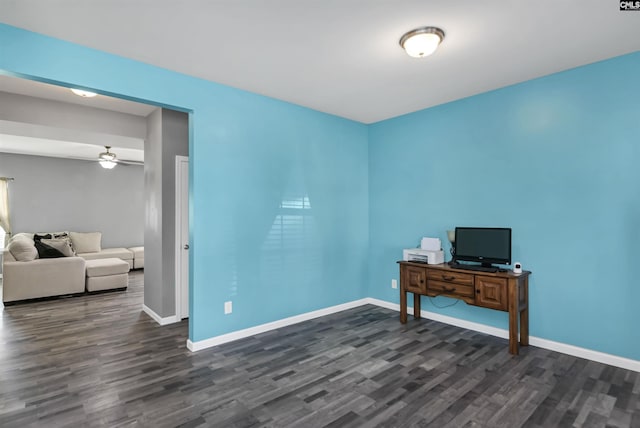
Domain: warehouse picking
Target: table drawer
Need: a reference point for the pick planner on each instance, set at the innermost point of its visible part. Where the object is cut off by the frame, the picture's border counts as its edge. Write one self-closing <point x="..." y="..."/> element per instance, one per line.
<point x="441" y="287"/>
<point x="448" y="276"/>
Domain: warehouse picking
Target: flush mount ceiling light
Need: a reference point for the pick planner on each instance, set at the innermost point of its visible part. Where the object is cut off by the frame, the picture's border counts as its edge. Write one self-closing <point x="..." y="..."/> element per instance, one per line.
<point x="85" y="94"/>
<point x="107" y="159"/>
<point x="422" y="41"/>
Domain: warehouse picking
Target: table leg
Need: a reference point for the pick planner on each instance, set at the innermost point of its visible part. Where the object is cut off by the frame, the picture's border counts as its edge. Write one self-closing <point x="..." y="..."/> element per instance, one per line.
<point x="403" y="306"/>
<point x="524" y="315"/>
<point x="416" y="306"/>
<point x="524" y="327"/>
<point x="513" y="332"/>
<point x="513" y="317"/>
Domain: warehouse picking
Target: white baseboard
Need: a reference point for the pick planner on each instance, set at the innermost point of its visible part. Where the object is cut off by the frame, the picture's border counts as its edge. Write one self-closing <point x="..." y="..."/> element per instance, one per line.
<point x="600" y="357"/>
<point x="157" y="318"/>
<point x="589" y="354"/>
<point x="251" y="331"/>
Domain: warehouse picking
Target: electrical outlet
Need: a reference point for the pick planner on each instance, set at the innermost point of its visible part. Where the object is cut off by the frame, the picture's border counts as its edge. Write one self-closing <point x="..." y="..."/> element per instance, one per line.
<point x="394" y="283"/>
<point x="228" y="307"/>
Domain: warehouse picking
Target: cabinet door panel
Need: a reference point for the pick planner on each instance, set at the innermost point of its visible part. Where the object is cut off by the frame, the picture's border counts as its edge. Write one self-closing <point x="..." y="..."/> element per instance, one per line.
<point x="414" y="279"/>
<point x="491" y="292"/>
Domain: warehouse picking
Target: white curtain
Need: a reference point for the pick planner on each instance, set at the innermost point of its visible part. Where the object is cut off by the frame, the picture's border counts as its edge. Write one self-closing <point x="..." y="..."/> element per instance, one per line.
<point x="4" y="208"/>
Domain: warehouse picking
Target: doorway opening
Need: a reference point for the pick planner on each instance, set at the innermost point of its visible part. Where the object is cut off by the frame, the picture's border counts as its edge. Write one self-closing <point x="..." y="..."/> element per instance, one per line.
<point x="83" y="144"/>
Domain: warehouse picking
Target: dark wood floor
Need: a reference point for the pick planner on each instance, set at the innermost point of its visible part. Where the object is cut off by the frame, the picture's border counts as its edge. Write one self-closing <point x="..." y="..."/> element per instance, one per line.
<point x="99" y="361"/>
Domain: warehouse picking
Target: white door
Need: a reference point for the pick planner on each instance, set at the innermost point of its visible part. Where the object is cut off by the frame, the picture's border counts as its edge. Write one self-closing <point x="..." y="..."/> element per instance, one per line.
<point x="182" y="237"/>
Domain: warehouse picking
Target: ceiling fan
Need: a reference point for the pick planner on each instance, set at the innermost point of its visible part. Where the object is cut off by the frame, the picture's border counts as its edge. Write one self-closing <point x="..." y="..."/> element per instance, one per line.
<point x="109" y="160"/>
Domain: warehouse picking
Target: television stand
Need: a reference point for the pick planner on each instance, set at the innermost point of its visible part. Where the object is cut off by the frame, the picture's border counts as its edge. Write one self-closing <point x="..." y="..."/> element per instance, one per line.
<point x="502" y="291"/>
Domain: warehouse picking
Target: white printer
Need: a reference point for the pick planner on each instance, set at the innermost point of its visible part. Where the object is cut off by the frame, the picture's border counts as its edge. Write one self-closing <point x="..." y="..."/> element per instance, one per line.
<point x="424" y="256"/>
<point x="430" y="252"/>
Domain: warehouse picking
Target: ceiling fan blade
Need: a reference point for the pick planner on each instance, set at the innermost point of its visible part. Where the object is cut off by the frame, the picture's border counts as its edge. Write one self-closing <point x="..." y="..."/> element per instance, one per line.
<point x="129" y="162"/>
<point x="118" y="161"/>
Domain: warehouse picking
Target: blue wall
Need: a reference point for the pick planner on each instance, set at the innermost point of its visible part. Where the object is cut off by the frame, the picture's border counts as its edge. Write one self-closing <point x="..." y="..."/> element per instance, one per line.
<point x="285" y="208"/>
<point x="554" y="158"/>
<point x="279" y="193"/>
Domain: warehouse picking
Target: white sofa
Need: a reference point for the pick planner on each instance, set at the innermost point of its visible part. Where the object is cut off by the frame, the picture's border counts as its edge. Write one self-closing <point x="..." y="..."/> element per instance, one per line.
<point x="28" y="276"/>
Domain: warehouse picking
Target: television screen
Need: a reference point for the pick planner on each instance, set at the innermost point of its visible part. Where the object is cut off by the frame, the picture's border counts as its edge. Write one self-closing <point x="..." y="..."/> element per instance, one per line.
<point x="483" y="244"/>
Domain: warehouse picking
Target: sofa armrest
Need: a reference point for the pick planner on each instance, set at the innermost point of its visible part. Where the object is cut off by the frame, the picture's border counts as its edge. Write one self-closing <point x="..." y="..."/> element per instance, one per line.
<point x="42" y="278"/>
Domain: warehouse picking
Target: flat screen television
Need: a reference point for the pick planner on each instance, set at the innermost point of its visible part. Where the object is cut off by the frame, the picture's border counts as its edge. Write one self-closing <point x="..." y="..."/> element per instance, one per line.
<point x="486" y="245"/>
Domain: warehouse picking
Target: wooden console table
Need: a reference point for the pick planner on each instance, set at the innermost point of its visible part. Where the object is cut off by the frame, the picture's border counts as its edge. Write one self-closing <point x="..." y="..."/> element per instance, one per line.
<point x="503" y="291"/>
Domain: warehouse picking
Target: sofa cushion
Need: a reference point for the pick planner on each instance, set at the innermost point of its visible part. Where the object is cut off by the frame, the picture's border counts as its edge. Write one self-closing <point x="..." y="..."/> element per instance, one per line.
<point x="65" y="236"/>
<point x="138" y="263"/>
<point x="47" y="251"/>
<point x="22" y="250"/>
<point x="61" y="245"/>
<point x="105" y="267"/>
<point x="86" y="242"/>
<point x="138" y="257"/>
<point x="138" y="252"/>
<point x="107" y="253"/>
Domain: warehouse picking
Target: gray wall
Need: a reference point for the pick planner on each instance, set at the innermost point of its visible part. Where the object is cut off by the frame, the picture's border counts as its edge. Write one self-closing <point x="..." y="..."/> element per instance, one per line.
<point x="167" y="137"/>
<point x="54" y="194"/>
<point x="153" y="297"/>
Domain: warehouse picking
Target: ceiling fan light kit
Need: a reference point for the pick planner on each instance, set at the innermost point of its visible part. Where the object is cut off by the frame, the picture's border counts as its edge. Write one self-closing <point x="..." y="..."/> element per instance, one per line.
<point x="107" y="159"/>
<point x="107" y="164"/>
<point x="422" y="42"/>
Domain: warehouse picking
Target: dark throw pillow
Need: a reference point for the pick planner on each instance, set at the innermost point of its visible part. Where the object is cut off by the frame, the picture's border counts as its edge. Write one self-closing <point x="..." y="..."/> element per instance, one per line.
<point x="47" y="251"/>
<point x="60" y="245"/>
<point x="37" y="237"/>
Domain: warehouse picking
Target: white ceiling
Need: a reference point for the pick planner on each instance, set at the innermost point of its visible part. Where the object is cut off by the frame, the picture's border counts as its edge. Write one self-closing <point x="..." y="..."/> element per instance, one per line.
<point x="342" y="56"/>
<point x="31" y="88"/>
<point x="26" y="136"/>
